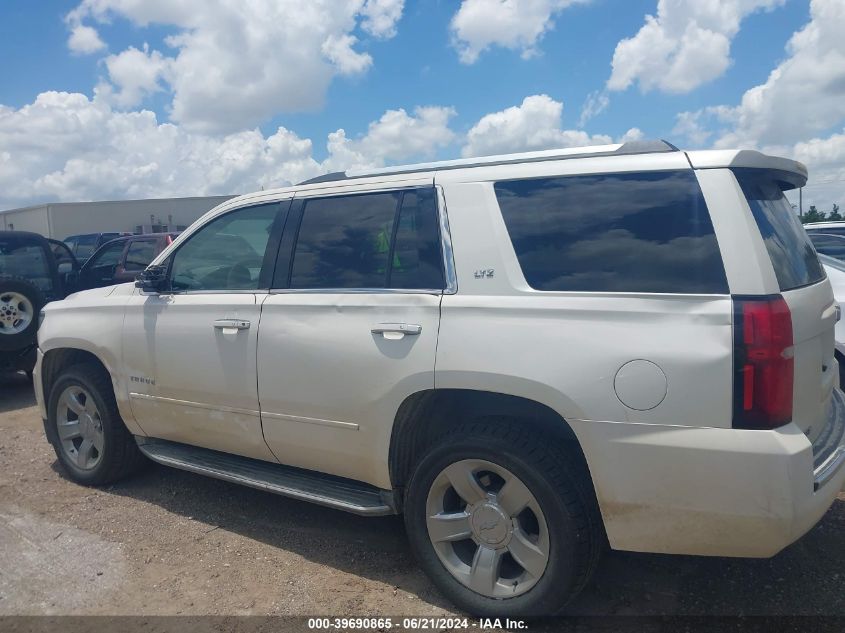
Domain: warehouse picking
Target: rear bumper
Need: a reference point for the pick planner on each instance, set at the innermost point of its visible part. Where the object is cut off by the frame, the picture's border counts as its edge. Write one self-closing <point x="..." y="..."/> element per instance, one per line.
<point x="710" y="491"/>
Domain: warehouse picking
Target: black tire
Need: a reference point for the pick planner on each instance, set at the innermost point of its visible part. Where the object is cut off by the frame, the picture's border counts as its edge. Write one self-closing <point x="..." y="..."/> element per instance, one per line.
<point x="561" y="487"/>
<point x="121" y="456"/>
<point x="12" y="342"/>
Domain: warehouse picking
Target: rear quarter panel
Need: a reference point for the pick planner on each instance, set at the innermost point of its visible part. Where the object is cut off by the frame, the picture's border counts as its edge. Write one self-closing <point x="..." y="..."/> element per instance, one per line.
<point x="564" y="348"/>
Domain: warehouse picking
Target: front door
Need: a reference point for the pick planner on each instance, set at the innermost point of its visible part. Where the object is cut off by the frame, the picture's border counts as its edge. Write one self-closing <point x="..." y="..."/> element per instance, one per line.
<point x="191" y="352"/>
<point x="350" y="329"/>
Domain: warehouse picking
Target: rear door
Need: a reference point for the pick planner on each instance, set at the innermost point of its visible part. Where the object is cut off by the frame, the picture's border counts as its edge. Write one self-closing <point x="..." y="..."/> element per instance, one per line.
<point x="805" y="288"/>
<point x="350" y="328"/>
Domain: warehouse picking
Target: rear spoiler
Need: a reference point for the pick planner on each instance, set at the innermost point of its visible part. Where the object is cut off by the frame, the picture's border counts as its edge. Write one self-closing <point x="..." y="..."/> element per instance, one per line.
<point x="789" y="173"/>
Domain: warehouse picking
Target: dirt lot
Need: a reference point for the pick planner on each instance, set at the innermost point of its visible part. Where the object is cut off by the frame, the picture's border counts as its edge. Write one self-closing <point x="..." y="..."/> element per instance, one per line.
<point x="169" y="542"/>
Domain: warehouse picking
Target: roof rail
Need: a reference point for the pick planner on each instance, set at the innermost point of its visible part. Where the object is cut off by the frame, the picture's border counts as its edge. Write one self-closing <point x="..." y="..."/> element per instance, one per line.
<point x="631" y="147"/>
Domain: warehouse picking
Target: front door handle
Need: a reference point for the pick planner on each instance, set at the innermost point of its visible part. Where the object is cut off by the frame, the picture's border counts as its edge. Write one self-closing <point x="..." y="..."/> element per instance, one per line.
<point x="229" y="325"/>
<point x="411" y="329"/>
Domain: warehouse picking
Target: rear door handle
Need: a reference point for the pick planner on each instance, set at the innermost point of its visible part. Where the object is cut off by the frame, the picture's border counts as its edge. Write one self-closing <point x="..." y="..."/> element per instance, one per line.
<point x="411" y="329"/>
<point x="231" y="324"/>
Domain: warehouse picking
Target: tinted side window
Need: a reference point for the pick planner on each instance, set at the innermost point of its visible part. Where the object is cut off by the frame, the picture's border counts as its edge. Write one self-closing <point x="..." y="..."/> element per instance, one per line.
<point x="792" y="254"/>
<point x="377" y="240"/>
<point x="417" y="260"/>
<point x="140" y="254"/>
<point x="227" y="253"/>
<point x="639" y="232"/>
<point x="108" y="255"/>
<point x="344" y="242"/>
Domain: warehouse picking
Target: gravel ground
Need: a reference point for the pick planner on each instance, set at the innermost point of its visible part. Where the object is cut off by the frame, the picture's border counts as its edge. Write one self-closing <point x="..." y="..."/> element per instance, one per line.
<point x="168" y="542"/>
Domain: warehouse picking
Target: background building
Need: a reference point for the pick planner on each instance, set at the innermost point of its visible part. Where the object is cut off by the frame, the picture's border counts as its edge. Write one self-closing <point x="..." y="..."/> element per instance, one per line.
<point x="61" y="219"/>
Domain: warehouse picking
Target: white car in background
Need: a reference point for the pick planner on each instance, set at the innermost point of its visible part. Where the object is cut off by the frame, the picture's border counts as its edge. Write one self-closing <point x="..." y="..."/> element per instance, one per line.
<point x="835" y="270"/>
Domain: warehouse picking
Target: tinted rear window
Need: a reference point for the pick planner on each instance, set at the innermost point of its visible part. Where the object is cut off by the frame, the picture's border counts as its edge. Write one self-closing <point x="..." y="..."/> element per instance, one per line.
<point x="639" y="232"/>
<point x="790" y="250"/>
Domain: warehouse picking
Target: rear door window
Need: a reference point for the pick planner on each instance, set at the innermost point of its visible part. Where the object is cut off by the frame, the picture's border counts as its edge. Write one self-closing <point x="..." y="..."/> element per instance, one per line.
<point x="790" y="249"/>
<point x="635" y="232"/>
<point x="373" y="240"/>
<point x="85" y="246"/>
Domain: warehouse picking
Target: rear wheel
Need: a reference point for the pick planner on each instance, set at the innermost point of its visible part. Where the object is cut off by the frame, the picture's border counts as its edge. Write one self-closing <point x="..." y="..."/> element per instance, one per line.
<point x="89" y="436"/>
<point x="500" y="522"/>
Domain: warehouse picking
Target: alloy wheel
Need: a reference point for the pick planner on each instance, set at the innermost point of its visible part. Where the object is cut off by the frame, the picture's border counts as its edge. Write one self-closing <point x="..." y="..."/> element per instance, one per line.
<point x="80" y="427"/>
<point x="487" y="528"/>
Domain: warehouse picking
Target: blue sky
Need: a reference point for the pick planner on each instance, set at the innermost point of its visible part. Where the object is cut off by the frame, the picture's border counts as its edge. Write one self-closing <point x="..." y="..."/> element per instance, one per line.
<point x="138" y="98"/>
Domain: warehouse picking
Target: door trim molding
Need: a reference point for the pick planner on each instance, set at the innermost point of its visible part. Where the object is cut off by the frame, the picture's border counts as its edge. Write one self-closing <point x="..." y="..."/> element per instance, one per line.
<point x="195" y="405"/>
<point x="349" y="426"/>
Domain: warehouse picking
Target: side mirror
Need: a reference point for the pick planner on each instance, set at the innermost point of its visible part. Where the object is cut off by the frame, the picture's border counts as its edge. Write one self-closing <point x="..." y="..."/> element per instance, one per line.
<point x="153" y="279"/>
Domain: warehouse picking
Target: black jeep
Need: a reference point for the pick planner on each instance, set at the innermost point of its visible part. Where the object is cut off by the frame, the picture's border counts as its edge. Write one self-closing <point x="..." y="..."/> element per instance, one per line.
<point x="33" y="271"/>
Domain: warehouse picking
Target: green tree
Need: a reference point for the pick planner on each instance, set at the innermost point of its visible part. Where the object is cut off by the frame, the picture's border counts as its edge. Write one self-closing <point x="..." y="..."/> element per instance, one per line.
<point x="813" y="215"/>
<point x="834" y="215"/>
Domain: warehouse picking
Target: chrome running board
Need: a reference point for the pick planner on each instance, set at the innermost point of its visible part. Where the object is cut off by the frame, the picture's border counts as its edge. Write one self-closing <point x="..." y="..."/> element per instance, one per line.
<point x="306" y="485"/>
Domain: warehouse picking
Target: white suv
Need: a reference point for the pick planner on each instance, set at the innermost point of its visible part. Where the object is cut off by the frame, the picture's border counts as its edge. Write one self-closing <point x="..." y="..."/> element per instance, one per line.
<point x="528" y="355"/>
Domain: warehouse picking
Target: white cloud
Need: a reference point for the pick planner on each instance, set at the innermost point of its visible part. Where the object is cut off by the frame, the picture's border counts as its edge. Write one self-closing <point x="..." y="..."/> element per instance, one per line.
<point x="634" y="134"/>
<point x="381" y="16"/>
<point x="136" y="74"/>
<point x="396" y="136"/>
<point x="595" y="104"/>
<point x="84" y="40"/>
<point x="235" y="64"/>
<point x="804" y="95"/>
<point x="801" y="99"/>
<point x="65" y="146"/>
<point x="685" y="46"/>
<point x="533" y="125"/>
<point x="513" y="24"/>
<point x="825" y="158"/>
<point x="338" y="50"/>
<point x="689" y="125"/>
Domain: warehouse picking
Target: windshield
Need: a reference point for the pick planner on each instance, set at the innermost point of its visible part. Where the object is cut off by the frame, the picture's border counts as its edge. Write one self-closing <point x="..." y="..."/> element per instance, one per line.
<point x="25" y="259"/>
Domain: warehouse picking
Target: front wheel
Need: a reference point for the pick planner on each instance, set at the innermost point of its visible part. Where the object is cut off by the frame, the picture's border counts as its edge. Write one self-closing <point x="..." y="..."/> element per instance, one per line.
<point x="89" y="436"/>
<point x="500" y="520"/>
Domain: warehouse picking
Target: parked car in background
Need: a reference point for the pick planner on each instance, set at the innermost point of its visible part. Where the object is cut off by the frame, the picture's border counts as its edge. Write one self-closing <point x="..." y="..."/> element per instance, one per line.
<point x="828" y="244"/>
<point x="33" y="271"/>
<point x="122" y="259"/>
<point x="83" y="246"/>
<point x="830" y="228"/>
<point x="835" y="270"/>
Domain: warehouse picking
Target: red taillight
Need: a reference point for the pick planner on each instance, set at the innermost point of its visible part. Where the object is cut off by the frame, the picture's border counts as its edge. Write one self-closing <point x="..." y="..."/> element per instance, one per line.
<point x="763" y="362"/>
